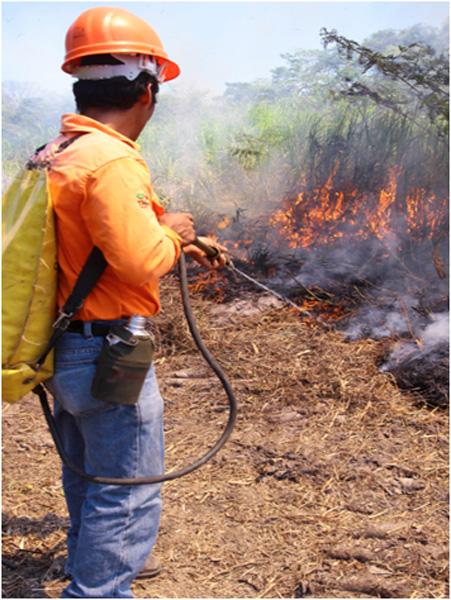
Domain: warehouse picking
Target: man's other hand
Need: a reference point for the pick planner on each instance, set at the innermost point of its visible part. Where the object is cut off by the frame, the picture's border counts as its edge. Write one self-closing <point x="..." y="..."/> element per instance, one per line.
<point x="199" y="255"/>
<point x="182" y="224"/>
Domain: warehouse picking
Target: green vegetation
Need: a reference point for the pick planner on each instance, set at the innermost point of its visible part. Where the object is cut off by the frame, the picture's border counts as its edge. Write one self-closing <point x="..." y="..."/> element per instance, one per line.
<point x="352" y="110"/>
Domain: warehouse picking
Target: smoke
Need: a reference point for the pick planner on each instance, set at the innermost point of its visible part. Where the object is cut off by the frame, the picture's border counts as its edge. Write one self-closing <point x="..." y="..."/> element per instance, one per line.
<point x="390" y="289"/>
<point x="432" y="338"/>
<point x="363" y="190"/>
<point x="194" y="148"/>
<point x="437" y="332"/>
<point x="361" y="227"/>
<point x="422" y="365"/>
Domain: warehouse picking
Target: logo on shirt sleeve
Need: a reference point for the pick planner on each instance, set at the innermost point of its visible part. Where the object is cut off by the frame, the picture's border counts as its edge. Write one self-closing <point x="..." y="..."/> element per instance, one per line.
<point x="143" y="200"/>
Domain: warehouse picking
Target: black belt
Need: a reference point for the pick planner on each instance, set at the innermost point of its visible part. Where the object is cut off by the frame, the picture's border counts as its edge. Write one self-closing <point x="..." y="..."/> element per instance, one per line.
<point x="98" y="329"/>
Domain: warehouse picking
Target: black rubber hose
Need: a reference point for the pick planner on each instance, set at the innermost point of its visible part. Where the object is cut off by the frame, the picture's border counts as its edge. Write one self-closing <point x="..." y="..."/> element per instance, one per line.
<point x="41" y="392"/>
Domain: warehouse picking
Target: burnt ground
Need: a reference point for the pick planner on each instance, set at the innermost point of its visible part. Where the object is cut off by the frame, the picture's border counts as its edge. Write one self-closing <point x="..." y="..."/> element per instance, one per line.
<point x="334" y="483"/>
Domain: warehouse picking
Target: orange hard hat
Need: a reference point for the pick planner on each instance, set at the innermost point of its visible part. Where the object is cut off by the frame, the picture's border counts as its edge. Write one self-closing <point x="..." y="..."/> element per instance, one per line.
<point x="107" y="30"/>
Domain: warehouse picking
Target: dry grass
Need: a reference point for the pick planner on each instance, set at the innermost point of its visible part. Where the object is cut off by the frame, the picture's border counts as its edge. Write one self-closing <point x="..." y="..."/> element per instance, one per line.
<point x="334" y="483"/>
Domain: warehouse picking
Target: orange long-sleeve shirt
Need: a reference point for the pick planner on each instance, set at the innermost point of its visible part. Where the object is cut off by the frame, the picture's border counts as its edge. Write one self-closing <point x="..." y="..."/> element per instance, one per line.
<point x="101" y="193"/>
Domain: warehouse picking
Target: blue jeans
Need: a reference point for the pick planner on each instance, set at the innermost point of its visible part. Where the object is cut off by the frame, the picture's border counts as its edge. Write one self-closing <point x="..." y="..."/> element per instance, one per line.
<point x="112" y="528"/>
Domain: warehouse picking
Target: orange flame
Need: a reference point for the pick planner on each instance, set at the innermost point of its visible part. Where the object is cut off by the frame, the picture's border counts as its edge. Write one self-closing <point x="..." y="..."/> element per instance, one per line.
<point x="212" y="281"/>
<point x="324" y="214"/>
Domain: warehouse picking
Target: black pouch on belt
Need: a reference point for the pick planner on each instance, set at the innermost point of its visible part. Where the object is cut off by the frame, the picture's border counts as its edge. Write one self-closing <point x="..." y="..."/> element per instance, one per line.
<point x="122" y="366"/>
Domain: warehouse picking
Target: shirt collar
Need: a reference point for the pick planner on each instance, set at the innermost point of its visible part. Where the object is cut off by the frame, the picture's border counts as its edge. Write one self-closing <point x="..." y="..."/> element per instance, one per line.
<point x="73" y="123"/>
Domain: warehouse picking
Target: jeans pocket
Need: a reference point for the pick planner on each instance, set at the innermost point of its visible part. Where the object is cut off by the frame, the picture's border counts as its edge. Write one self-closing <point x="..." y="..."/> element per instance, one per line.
<point x="75" y="365"/>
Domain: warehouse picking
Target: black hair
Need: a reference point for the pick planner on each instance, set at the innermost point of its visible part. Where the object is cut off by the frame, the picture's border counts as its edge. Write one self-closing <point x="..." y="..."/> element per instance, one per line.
<point x="117" y="92"/>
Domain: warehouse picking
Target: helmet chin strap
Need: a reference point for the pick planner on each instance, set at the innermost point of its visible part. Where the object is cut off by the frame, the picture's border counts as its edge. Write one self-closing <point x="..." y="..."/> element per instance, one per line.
<point x="131" y="65"/>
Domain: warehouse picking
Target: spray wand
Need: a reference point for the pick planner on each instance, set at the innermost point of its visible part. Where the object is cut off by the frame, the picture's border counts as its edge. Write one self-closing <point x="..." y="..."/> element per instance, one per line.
<point x="212" y="253"/>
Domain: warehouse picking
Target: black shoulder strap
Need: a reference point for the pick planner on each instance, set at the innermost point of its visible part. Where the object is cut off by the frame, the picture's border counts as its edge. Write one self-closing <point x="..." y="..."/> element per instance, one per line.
<point x="89" y="275"/>
<point x="68" y="142"/>
<point x="33" y="162"/>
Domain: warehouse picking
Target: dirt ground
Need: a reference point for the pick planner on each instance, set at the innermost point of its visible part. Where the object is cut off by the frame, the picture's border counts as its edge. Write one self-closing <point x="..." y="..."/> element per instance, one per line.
<point x="334" y="483"/>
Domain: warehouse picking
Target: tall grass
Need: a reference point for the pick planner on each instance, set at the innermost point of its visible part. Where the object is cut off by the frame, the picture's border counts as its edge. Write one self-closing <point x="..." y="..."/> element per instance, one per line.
<point x="230" y="154"/>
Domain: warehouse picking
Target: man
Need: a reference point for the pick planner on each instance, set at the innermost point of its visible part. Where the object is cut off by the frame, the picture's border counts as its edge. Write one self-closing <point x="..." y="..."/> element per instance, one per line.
<point x="101" y="194"/>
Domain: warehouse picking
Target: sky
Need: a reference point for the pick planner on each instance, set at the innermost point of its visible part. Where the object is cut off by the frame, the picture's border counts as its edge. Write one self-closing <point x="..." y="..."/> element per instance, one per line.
<point x="213" y="42"/>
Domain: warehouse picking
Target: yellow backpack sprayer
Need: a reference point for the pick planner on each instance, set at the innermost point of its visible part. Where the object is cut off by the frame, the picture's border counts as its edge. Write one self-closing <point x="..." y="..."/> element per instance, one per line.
<point x="31" y="326"/>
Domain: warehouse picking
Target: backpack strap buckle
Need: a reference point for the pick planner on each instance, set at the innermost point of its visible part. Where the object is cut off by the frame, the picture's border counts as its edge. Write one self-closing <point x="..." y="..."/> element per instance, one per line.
<point x="63" y="320"/>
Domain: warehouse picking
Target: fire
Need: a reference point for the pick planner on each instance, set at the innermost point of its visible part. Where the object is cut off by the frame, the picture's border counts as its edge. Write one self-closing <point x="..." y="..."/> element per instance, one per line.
<point x="379" y="220"/>
<point x="319" y="211"/>
<point x="212" y="282"/>
<point x="325" y="214"/>
<point x="324" y="311"/>
<point x="421" y="214"/>
<point x="328" y="215"/>
<point x="224" y="223"/>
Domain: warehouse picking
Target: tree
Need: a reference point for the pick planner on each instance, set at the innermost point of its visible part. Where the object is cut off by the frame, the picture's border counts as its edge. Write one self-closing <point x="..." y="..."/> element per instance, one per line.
<point x="418" y="74"/>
